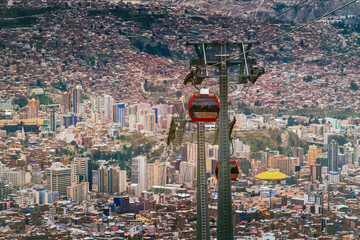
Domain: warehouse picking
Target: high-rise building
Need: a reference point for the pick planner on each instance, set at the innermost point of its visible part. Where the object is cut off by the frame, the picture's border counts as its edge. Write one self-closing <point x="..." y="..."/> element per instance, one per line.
<point x="132" y="121"/>
<point x="81" y="171"/>
<point x="333" y="155"/>
<point x="33" y="108"/>
<point x="43" y="196"/>
<point x="188" y="169"/>
<point x="58" y="178"/>
<point x="138" y="172"/>
<point x="36" y="175"/>
<point x="122" y="181"/>
<point x="241" y="150"/>
<point x="103" y="180"/>
<point x="149" y="123"/>
<point x="5" y="190"/>
<point x="244" y="166"/>
<point x="17" y="178"/>
<point x="280" y="162"/>
<point x="111" y="180"/>
<point x="77" y="97"/>
<point x="357" y="154"/>
<point x="52" y="120"/>
<point x="191" y="152"/>
<point x="107" y="106"/>
<point x="349" y="152"/>
<point x="156" y="112"/>
<point x="78" y="191"/>
<point x="152" y="175"/>
<point x="313" y="154"/>
<point x="122" y="203"/>
<point x="70" y="120"/>
<point x="298" y="152"/>
<point x="65" y="102"/>
<point x="315" y="173"/>
<point x="97" y="104"/>
<point x="119" y="114"/>
<point x="341" y="160"/>
<point x="81" y="108"/>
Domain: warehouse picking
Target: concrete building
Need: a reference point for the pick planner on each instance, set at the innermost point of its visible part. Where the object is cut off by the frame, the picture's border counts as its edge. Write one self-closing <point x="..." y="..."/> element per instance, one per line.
<point x="81" y="171"/>
<point x="313" y="154"/>
<point x="77" y="98"/>
<point x="43" y="196"/>
<point x="122" y="181"/>
<point x="132" y="121"/>
<point x="190" y="149"/>
<point x="152" y="175"/>
<point x="241" y="150"/>
<point x="33" y="108"/>
<point x="298" y="152"/>
<point x="315" y="173"/>
<point x="65" y="102"/>
<point x="149" y="123"/>
<point x="97" y="104"/>
<point x="58" y="178"/>
<point x="69" y="120"/>
<point x="36" y="174"/>
<point x="107" y="106"/>
<point x="78" y="191"/>
<point x="111" y="180"/>
<point x="280" y="162"/>
<point x="138" y="171"/>
<point x="188" y="170"/>
<point x="17" y="178"/>
<point x="52" y="120"/>
<point x="119" y="114"/>
<point x="350" y="155"/>
<point x="333" y="156"/>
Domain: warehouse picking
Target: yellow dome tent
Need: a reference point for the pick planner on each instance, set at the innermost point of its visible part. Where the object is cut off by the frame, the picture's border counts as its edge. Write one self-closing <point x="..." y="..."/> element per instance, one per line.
<point x="271" y="175"/>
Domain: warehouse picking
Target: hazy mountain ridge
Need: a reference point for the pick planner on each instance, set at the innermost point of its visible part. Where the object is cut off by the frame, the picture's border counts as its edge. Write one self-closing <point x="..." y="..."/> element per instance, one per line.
<point x="267" y="9"/>
<point x="105" y="47"/>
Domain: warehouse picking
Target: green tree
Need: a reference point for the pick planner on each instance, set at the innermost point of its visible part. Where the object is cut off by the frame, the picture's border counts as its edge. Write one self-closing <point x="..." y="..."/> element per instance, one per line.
<point x="21" y="101"/>
<point x="340" y="139"/>
<point x="247" y="111"/>
<point x="354" y="86"/>
<point x="178" y="94"/>
<point x="308" y="78"/>
<point x="291" y="121"/>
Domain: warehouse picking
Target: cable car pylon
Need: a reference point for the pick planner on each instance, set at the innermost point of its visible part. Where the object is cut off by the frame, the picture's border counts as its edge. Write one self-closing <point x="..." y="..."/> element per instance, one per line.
<point x="202" y="208"/>
<point x="214" y="54"/>
<point x="203" y="107"/>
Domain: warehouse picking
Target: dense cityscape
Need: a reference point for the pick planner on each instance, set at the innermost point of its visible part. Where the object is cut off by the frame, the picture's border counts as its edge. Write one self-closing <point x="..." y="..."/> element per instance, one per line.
<point x="90" y="92"/>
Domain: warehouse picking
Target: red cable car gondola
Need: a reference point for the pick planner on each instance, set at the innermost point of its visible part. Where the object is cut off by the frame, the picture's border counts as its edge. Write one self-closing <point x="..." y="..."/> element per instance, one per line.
<point x="234" y="170"/>
<point x="204" y="107"/>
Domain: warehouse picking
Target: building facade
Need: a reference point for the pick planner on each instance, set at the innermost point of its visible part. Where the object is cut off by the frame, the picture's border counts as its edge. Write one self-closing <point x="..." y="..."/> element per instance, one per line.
<point x="333" y="156"/>
<point x="33" y="108"/>
<point x="58" y="178"/>
<point x="138" y="171"/>
<point x="77" y="98"/>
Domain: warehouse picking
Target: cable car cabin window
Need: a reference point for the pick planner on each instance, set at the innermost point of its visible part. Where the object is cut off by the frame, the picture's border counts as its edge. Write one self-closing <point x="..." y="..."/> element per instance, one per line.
<point x="204" y="107"/>
<point x="204" y="104"/>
